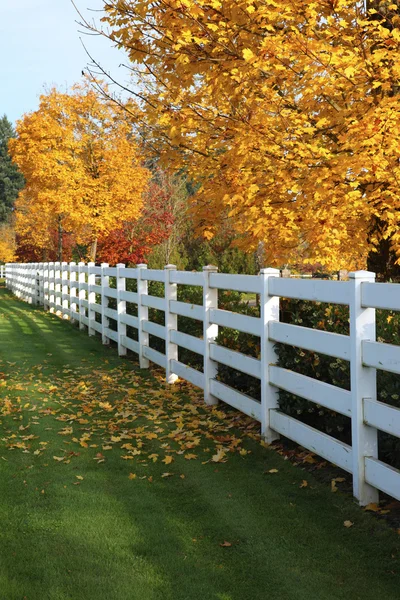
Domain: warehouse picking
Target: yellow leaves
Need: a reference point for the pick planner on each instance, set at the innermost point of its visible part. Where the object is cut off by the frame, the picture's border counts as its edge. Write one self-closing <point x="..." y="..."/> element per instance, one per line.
<point x="132" y="476"/>
<point x="81" y="168"/>
<point x="219" y="456"/>
<point x="59" y="458"/>
<point x="304" y="484"/>
<point x="248" y="55"/>
<point x="168" y="460"/>
<point x="273" y="471"/>
<point x="348" y="524"/>
<point x="190" y="456"/>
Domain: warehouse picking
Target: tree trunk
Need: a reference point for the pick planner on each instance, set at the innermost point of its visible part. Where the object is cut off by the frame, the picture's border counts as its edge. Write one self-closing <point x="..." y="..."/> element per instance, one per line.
<point x="60" y="240"/>
<point x="93" y="251"/>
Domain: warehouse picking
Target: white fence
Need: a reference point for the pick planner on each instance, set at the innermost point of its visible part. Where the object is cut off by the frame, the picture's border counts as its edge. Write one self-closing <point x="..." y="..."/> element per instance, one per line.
<point x="70" y="291"/>
<point x="2" y="271"/>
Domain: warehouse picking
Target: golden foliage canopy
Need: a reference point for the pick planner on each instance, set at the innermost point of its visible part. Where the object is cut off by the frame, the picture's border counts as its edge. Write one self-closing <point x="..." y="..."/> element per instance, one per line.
<point x="82" y="168"/>
<point x="286" y="111"/>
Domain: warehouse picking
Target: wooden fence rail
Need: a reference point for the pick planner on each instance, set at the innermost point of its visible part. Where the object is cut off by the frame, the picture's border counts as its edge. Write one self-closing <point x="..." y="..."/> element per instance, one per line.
<point x="79" y="292"/>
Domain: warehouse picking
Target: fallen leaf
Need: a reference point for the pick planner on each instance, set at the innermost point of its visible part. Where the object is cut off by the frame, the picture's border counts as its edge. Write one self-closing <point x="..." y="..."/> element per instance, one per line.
<point x="132" y="475"/>
<point x="372" y="506"/>
<point x="226" y="545"/>
<point x="348" y="524"/>
<point x="168" y="460"/>
<point x="273" y="471"/>
<point x="304" y="483"/>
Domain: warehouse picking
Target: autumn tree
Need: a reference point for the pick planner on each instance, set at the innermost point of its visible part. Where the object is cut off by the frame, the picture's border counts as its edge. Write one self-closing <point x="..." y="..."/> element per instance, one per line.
<point x="285" y="112"/>
<point x="82" y="169"/>
<point x="11" y="180"/>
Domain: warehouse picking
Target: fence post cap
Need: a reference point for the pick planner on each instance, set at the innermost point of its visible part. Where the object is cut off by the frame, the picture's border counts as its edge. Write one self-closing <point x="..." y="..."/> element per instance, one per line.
<point x="362" y="275"/>
<point x="81" y="264"/>
<point x="170" y="267"/>
<point x="270" y="271"/>
<point x="121" y="266"/>
<point x="142" y="266"/>
<point x="104" y="265"/>
<point x="210" y="268"/>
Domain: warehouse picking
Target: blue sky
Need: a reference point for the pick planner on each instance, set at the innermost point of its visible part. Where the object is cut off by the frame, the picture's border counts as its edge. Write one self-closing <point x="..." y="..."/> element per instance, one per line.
<point x="40" y="47"/>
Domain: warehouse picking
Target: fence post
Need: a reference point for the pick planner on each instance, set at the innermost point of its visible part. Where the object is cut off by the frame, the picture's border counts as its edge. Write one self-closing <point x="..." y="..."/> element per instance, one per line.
<point x="72" y="291"/>
<point x="171" y="323"/>
<point x="82" y="293"/>
<point x="210" y="333"/>
<point x="51" y="287"/>
<point x="64" y="290"/>
<point x="41" y="276"/>
<point x="105" y="321"/>
<point x="57" y="275"/>
<point x="269" y="312"/>
<point x="121" y="309"/>
<point x="143" y="315"/>
<point x="91" y="299"/>
<point x="363" y="385"/>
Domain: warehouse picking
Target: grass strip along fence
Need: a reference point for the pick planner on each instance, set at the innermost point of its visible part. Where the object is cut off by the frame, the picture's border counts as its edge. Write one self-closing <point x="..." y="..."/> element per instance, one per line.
<point x="117" y="486"/>
<point x="84" y="293"/>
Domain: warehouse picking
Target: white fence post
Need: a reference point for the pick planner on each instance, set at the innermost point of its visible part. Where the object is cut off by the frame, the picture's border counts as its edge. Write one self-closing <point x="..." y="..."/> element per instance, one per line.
<point x="57" y="275"/>
<point x="72" y="291"/>
<point x="45" y="285"/>
<point x="269" y="394"/>
<point x="143" y="315"/>
<point x="363" y="385"/>
<point x="41" y="280"/>
<point x="82" y="293"/>
<point x="105" y="321"/>
<point x="64" y="290"/>
<point x="171" y="323"/>
<point x="210" y="333"/>
<point x="51" y="287"/>
<point x="91" y="299"/>
<point x="121" y="309"/>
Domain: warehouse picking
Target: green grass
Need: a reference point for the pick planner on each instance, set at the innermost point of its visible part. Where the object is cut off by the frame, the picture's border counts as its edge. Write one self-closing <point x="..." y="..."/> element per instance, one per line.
<point x="81" y="529"/>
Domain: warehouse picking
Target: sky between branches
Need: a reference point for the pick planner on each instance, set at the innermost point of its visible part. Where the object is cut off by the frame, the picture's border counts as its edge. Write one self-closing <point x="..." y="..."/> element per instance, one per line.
<point x="40" y="47"/>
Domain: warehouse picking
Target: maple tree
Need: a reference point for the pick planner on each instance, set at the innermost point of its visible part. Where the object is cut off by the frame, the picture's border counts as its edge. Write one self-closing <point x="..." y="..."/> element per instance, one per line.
<point x="82" y="169"/>
<point x="286" y="112"/>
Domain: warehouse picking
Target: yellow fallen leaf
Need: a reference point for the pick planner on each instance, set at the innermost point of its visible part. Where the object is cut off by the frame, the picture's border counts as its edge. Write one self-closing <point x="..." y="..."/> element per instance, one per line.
<point x="304" y="483"/>
<point x="59" y="458"/>
<point x="79" y="477"/>
<point x="348" y="524"/>
<point x="226" y="544"/>
<point x="167" y="475"/>
<point x="372" y="506"/>
<point x="168" y="460"/>
<point x="273" y="471"/>
<point x="190" y="456"/>
<point x="132" y="475"/>
<point x="219" y="456"/>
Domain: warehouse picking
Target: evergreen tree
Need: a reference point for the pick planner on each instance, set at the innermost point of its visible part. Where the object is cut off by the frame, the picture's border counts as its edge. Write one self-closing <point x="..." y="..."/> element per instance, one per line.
<point x="11" y="180"/>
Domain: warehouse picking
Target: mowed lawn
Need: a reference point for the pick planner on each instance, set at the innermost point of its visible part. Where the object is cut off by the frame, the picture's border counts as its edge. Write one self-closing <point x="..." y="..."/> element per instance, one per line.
<point x="115" y="486"/>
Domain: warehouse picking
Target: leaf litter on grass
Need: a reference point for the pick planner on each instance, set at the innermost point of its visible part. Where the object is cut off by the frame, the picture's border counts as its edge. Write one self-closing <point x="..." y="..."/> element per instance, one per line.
<point x="117" y="409"/>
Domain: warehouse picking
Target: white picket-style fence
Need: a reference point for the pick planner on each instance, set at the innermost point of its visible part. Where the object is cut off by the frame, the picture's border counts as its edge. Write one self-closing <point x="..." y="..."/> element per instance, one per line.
<point x="70" y="290"/>
<point x="2" y="271"/>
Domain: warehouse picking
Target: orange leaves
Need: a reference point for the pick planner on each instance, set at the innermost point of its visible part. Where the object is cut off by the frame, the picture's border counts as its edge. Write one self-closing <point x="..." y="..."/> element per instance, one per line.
<point x="272" y="109"/>
<point x="81" y="166"/>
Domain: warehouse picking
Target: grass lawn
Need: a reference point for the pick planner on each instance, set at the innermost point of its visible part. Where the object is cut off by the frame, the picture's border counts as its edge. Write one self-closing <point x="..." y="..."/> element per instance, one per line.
<point x="115" y="486"/>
